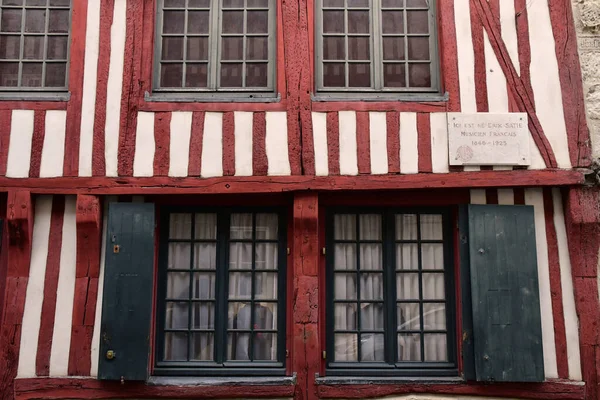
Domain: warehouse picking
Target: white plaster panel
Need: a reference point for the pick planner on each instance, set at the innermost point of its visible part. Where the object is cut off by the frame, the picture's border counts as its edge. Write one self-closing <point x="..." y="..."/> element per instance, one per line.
<point x="378" y="143"/>
<point x="143" y="160"/>
<point x="212" y="146"/>
<point x="179" y="149"/>
<point x="243" y="143"/>
<point x="478" y="196"/>
<point x="508" y="25"/>
<point x="53" y="152"/>
<point x="506" y="196"/>
<point x="35" y="288"/>
<point x="19" y="148"/>
<point x="496" y="82"/>
<point x="439" y="142"/>
<point x="466" y="55"/>
<point x="276" y="144"/>
<point x="348" y="146"/>
<point x="319" y="123"/>
<point x="409" y="147"/>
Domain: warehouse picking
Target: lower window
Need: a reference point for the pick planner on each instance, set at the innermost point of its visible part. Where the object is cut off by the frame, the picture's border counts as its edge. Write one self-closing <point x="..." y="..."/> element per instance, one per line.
<point x="390" y="306"/>
<point x="221" y="292"/>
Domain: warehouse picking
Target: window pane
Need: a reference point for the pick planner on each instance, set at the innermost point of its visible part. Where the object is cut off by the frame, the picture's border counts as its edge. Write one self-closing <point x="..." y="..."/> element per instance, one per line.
<point x="371" y="257"/>
<point x="371" y="286"/>
<point x="258" y="21"/>
<point x="409" y="347"/>
<point x="231" y="75"/>
<point x="197" y="48"/>
<point x="180" y="226"/>
<point x="174" y="3"/>
<point x="203" y="286"/>
<point x="203" y="315"/>
<point x="432" y="256"/>
<point x="393" y="48"/>
<point x="12" y="2"/>
<point x="205" y="226"/>
<point x="172" y="48"/>
<point x="256" y="75"/>
<point x="333" y="22"/>
<point x="9" y="74"/>
<point x="60" y="3"/>
<point x="202" y="347"/>
<point x="359" y="75"/>
<point x="344" y="227"/>
<point x="345" y="256"/>
<point x="371" y="317"/>
<point x="265" y="316"/>
<point x="258" y="3"/>
<point x="267" y="226"/>
<point x="370" y="227"/>
<point x="35" y="20"/>
<point x="358" y="22"/>
<point x="334" y="75"/>
<point x="198" y="21"/>
<point x="345" y="286"/>
<point x="239" y="316"/>
<point x="56" y="74"/>
<point x="173" y="21"/>
<point x="418" y="48"/>
<point x="233" y="3"/>
<point x="240" y="285"/>
<point x="345" y="317"/>
<point x="418" y="21"/>
<point x="265" y="345"/>
<point x="257" y="48"/>
<point x="409" y="317"/>
<point x="58" y="21"/>
<point x="372" y="347"/>
<point x="433" y="287"/>
<point x="176" y="315"/>
<point x="178" y="285"/>
<point x="334" y="48"/>
<point x="265" y="285"/>
<point x="407" y="257"/>
<point x="175" y="346"/>
<point x="232" y="48"/>
<point x="346" y="347"/>
<point x="406" y="227"/>
<point x="392" y="21"/>
<point x="240" y="256"/>
<point x="359" y="48"/>
<point x="199" y="3"/>
<point x="358" y="3"/>
<point x="241" y="226"/>
<point x="417" y="3"/>
<point x="32" y="75"/>
<point x="333" y="3"/>
<point x="10" y="47"/>
<point x="57" y="47"/>
<point x="233" y="22"/>
<point x="431" y="227"/>
<point x="205" y="255"/>
<point x="420" y="75"/>
<point x="266" y="256"/>
<point x="434" y="316"/>
<point x="171" y="75"/>
<point x="436" y="348"/>
<point x="179" y="255"/>
<point x="394" y="75"/>
<point x="196" y="75"/>
<point x="393" y="3"/>
<point x="10" y="20"/>
<point x="407" y="286"/>
<point x="33" y="47"/>
<point x="238" y="346"/>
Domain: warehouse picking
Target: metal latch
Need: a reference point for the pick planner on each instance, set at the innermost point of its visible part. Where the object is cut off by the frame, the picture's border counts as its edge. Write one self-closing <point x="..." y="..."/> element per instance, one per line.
<point x="110" y="354"/>
<point x="116" y="248"/>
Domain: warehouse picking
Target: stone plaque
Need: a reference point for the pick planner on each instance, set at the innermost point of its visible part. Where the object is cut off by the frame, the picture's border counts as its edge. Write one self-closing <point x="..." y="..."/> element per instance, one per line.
<point x="488" y="139"/>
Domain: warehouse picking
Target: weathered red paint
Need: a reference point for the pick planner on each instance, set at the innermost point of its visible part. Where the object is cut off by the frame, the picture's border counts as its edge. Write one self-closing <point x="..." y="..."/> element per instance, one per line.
<point x="196" y="137"/>
<point x="19" y="215"/>
<point x="558" y="314"/>
<point x="551" y="390"/>
<point x="400" y="198"/>
<point x="582" y="217"/>
<point x="392" y="120"/>
<point x="260" y="164"/>
<point x="76" y="64"/>
<point x="228" y="144"/>
<point x="519" y="193"/>
<point x="5" y="123"/>
<point x="37" y="143"/>
<point x="89" y="229"/>
<point x="481" y="92"/>
<point x="363" y="143"/>
<point x="264" y="184"/>
<point x="104" y="51"/>
<point x="523" y="96"/>
<point x="424" y="142"/>
<point x="448" y="54"/>
<point x="491" y="196"/>
<point x="70" y="388"/>
<point x="9" y="105"/>
<point x="158" y="106"/>
<point x="571" y="82"/>
<point x="162" y="140"/>
<point x="42" y="362"/>
<point x="333" y="143"/>
<point x="397" y="106"/>
<point x="3" y="253"/>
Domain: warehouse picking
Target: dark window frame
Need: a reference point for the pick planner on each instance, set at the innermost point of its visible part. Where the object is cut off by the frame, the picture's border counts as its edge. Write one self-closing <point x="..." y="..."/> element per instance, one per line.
<point x="221" y="367"/>
<point x="391" y="367"/>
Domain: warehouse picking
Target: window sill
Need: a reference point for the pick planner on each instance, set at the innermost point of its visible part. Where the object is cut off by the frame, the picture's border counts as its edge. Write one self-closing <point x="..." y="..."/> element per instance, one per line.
<point x="387" y="380"/>
<point x="380" y="97"/>
<point x="222" y="381"/>
<point x="204" y="97"/>
<point x="35" y="96"/>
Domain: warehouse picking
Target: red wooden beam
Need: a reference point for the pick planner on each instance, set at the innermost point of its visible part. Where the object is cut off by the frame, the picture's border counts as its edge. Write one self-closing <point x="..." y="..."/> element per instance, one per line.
<point x="305" y="311"/>
<point x="582" y="216"/>
<point x="73" y="388"/>
<point x="559" y="390"/>
<point x="522" y="94"/>
<point x="273" y="184"/>
<point x="89" y="229"/>
<point x="20" y="229"/>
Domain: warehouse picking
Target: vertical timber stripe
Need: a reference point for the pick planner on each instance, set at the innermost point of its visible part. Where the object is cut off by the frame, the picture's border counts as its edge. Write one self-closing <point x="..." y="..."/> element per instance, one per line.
<point x="276" y="140"/>
<point x="179" y="146"/>
<point x="568" y="295"/>
<point x="363" y="143"/>
<point x="260" y="165"/>
<point x="449" y="54"/>
<point x="378" y="143"/>
<point x="409" y="144"/>
<point x="393" y="141"/>
<point x="5" y="124"/>
<point x="491" y="196"/>
<point x="162" y="140"/>
<point x="228" y="144"/>
<point x="90" y="76"/>
<point x="212" y="146"/>
<point x="196" y="138"/>
<point x="519" y="196"/>
<point x="560" y="337"/>
<point x="243" y="143"/>
<point x="35" y="288"/>
<point x="348" y="147"/>
<point x="333" y="143"/>
<point x="534" y="197"/>
<point x="477" y="37"/>
<point x="54" y="144"/>
<point x="439" y="143"/>
<point x="319" y="123"/>
<point x="53" y="261"/>
<point x="63" y="319"/>
<point x="424" y="146"/>
<point x="104" y="59"/>
<point x="37" y="143"/>
<point x="143" y="163"/>
<point x="19" y="151"/>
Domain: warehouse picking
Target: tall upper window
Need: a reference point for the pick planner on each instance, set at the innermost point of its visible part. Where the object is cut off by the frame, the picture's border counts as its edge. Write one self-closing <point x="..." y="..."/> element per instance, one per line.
<point x="390" y="290"/>
<point x="376" y="45"/>
<point x="222" y="298"/>
<point x="34" y="44"/>
<point x="215" y="46"/>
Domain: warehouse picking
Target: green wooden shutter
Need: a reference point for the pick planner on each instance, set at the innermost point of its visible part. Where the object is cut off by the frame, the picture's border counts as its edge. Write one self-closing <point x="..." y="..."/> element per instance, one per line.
<point x="502" y="338"/>
<point x="127" y="299"/>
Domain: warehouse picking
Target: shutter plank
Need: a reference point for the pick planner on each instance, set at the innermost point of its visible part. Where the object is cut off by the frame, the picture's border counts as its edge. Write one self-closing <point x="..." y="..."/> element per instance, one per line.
<point x="127" y="300"/>
<point x="505" y="307"/>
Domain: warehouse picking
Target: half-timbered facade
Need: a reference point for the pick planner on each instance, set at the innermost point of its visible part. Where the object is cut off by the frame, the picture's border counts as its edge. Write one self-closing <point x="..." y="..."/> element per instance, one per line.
<point x="255" y="199"/>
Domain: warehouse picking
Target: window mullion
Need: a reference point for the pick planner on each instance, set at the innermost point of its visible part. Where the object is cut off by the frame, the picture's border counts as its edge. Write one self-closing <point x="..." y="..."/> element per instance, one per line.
<point x="389" y="265"/>
<point x="22" y="48"/>
<point x="214" y="44"/>
<point x="272" y="48"/>
<point x="376" y="43"/>
<point x="221" y="284"/>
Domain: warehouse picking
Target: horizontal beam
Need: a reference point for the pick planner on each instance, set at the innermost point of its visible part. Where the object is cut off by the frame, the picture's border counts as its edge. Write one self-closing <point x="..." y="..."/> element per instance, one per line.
<point x="273" y="184"/>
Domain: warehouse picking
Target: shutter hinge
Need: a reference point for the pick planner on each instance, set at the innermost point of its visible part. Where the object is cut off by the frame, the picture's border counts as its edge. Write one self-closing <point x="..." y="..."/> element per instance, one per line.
<point x="323" y="251"/>
<point x="324" y="355"/>
<point x="288" y="251"/>
<point x="287" y="353"/>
